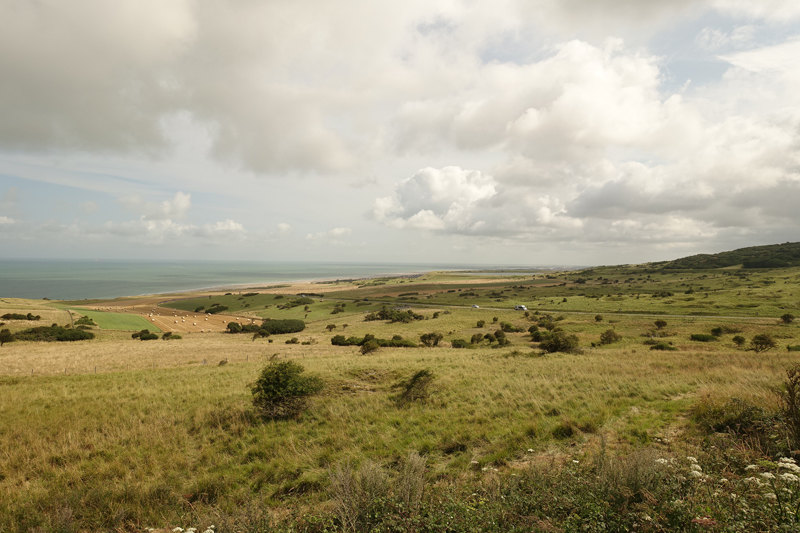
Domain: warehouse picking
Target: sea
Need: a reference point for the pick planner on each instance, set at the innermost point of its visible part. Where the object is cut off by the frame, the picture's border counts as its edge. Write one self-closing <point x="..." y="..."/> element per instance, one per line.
<point x="82" y="279"/>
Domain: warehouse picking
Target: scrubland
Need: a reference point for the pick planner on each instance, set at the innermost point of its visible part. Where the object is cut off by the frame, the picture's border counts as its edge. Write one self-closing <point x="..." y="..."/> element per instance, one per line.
<point x="116" y="434"/>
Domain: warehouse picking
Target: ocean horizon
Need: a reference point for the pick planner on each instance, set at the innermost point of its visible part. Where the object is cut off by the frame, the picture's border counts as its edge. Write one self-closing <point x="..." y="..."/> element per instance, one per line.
<point x="61" y="279"/>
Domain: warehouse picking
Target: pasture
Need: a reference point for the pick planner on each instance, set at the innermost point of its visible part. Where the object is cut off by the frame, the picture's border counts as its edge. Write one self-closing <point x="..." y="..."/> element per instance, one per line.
<point x="183" y="446"/>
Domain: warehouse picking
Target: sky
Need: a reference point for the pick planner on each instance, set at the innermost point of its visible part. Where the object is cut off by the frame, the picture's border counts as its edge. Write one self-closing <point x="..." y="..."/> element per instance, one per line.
<point x="539" y="132"/>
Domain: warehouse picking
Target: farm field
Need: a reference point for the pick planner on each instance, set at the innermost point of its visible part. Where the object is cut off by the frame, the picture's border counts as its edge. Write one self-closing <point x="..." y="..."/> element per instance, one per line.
<point x="513" y="436"/>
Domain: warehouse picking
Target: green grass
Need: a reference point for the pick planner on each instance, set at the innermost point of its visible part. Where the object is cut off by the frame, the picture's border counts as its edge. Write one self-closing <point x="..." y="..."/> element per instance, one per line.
<point x="181" y="443"/>
<point x="118" y="321"/>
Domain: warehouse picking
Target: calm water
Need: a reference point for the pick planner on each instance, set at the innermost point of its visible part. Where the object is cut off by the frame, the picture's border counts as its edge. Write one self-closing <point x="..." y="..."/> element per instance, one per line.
<point x="74" y="280"/>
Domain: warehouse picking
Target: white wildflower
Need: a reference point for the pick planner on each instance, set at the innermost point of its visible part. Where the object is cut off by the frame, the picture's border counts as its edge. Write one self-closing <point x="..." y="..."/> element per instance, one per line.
<point x="662" y="461"/>
<point x="723" y="480"/>
<point x="177" y="530"/>
<point x="770" y="496"/>
<point x="695" y="473"/>
<point x="767" y="475"/>
<point x="787" y="460"/>
<point x="530" y="450"/>
<point x="575" y="461"/>
<point x="790" y="466"/>
<point x="691" y="459"/>
<point x="209" y="530"/>
<point x="790" y="477"/>
<point x="696" y="468"/>
<point x="750" y="468"/>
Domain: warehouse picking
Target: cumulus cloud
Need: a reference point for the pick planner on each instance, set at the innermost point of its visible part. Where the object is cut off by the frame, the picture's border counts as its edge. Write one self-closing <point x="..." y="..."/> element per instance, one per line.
<point x="6" y="220"/>
<point x="284" y="228"/>
<point x="176" y="207"/>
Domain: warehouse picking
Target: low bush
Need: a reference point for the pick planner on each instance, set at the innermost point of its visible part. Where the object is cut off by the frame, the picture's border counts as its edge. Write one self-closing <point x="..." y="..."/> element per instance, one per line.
<point x="53" y="333"/>
<point x="277" y="327"/>
<point x="144" y="335"/>
<point x="6" y="336"/>
<point x="762" y="343"/>
<point x="431" y="339"/>
<point x="702" y="337"/>
<point x="282" y="391"/>
<point x="459" y="343"/>
<point x="85" y="321"/>
<point x="663" y="346"/>
<point x="395" y="342"/>
<point x="394" y="315"/>
<point x="417" y="388"/>
<point x="793" y="348"/>
<point x="610" y="336"/>
<point x="19" y="316"/>
<point x="369" y="347"/>
<point x="559" y="342"/>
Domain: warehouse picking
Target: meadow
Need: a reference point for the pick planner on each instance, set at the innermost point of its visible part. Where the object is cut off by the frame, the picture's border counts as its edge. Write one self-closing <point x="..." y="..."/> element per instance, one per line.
<point x="117" y="434"/>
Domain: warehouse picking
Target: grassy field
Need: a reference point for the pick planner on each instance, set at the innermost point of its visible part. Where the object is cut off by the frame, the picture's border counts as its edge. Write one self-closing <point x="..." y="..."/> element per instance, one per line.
<point x="160" y="434"/>
<point x="117" y="321"/>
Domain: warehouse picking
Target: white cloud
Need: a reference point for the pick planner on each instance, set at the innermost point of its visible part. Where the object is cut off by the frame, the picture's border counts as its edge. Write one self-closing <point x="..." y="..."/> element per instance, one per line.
<point x="177" y="207"/>
<point x="6" y="220"/>
<point x="332" y="236"/>
<point x="284" y="228"/>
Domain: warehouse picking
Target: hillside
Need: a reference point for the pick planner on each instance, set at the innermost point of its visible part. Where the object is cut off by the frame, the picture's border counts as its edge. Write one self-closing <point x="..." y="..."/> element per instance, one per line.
<point x="768" y="256"/>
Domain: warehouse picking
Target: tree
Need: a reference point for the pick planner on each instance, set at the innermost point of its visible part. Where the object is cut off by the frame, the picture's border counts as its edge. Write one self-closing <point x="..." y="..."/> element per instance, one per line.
<point x="609" y="336"/>
<point x="660" y="324"/>
<point x="282" y="391"/>
<point x="598" y="318"/>
<point x="330" y="327"/>
<point x="6" y="336"/>
<point x="762" y="342"/>
<point x="480" y="324"/>
<point x="738" y="340"/>
<point x="788" y="318"/>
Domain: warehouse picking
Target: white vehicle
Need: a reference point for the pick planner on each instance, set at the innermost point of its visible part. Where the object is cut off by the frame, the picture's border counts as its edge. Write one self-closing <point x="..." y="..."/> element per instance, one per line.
<point x="476" y="306"/>
<point x="520" y="308"/>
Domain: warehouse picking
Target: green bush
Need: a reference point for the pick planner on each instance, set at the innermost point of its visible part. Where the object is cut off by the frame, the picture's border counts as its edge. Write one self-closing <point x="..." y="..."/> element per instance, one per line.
<point x="394" y="315"/>
<point x="660" y="324"/>
<point x="431" y="339"/>
<point x="663" y="346"/>
<point x="282" y="391"/>
<point x="702" y="337"/>
<point x="369" y="347"/>
<point x="144" y="335"/>
<point x="395" y="342"/>
<point x="762" y="343"/>
<point x="480" y="324"/>
<point x="53" y="333"/>
<point x="85" y="321"/>
<point x="18" y="316"/>
<point x="598" y="318"/>
<point x="559" y="342"/>
<point x="788" y="318"/>
<point x="6" y="336"/>
<point x="459" y="343"/>
<point x="738" y="340"/>
<point x="610" y="336"/>
<point x="415" y="389"/>
<point x="293" y="340"/>
<point x="793" y="348"/>
<point x="277" y="327"/>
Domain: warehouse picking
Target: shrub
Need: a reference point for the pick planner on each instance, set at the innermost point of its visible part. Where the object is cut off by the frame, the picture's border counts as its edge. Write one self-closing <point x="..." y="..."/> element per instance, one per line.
<point x="293" y="340"/>
<point x="717" y="332"/>
<point x="663" y="346"/>
<point x="793" y="348"/>
<point x="414" y="389"/>
<point x="234" y="327"/>
<point x="738" y="340"/>
<point x="788" y="318"/>
<point x="369" y="347"/>
<point x="610" y="336"/>
<point x="598" y="318"/>
<point x="431" y="339"/>
<point x="660" y="324"/>
<point x="19" y="316"/>
<point x="216" y="308"/>
<point x="199" y="308"/>
<point x="762" y="342"/>
<point x="702" y="337"/>
<point x="277" y="327"/>
<point x="480" y="324"/>
<point x="85" y="321"/>
<point x="509" y="328"/>
<point x="144" y="335"/>
<point x="53" y="333"/>
<point x="559" y="342"/>
<point x="282" y="391"/>
<point x="459" y="343"/>
<point x="6" y="336"/>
